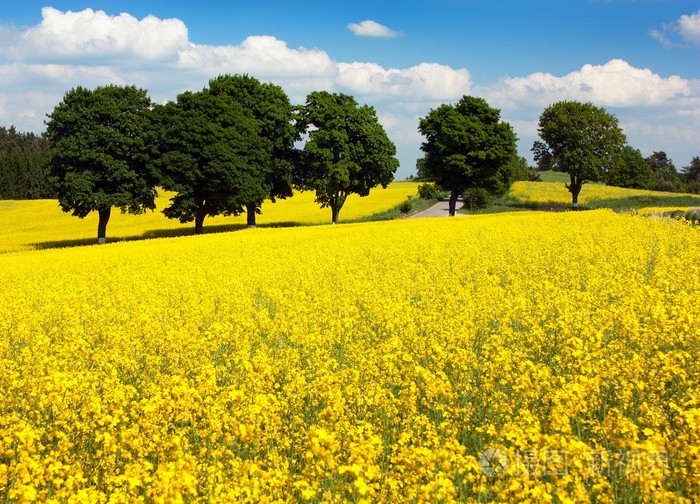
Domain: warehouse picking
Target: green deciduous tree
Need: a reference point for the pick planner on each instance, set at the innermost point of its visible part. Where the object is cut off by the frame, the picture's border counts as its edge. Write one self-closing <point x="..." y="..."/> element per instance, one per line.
<point x="584" y="141"/>
<point x="520" y="170"/>
<point x="467" y="147"/>
<point x="347" y="151"/>
<point x="210" y="152"/>
<point x="541" y="156"/>
<point x="102" y="152"/>
<point x="269" y="106"/>
<point x="632" y="171"/>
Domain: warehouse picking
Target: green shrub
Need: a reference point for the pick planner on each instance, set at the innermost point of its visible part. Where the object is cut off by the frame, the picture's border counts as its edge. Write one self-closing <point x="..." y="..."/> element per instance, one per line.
<point x="406" y="206"/>
<point x="477" y="198"/>
<point x="533" y="176"/>
<point x="428" y="191"/>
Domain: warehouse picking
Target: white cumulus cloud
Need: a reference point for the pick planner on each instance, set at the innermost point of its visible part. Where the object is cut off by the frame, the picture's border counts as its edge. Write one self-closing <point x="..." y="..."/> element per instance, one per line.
<point x="90" y="48"/>
<point x="689" y="26"/>
<point x="426" y="81"/>
<point x="88" y="34"/>
<point x="260" y="55"/>
<point x="369" y="28"/>
<point x="615" y="83"/>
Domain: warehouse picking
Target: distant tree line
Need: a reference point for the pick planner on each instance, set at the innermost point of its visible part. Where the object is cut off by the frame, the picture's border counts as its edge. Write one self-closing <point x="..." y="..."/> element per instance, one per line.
<point x="222" y="150"/>
<point x="24" y="165"/>
<point x="634" y="171"/>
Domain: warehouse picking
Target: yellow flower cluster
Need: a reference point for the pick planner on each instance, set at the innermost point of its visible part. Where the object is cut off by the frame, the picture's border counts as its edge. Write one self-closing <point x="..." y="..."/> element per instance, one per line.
<point x="542" y="357"/>
<point x="27" y="225"/>
<point x="557" y="194"/>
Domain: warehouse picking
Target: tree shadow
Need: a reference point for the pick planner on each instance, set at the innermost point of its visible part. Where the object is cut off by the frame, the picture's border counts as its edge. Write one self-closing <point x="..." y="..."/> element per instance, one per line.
<point x="543" y="206"/>
<point x="670" y="200"/>
<point x="158" y="233"/>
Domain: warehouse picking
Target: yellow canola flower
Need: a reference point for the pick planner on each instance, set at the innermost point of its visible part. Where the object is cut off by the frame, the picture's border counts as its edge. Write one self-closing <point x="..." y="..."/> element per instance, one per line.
<point x="371" y="362"/>
<point x="37" y="224"/>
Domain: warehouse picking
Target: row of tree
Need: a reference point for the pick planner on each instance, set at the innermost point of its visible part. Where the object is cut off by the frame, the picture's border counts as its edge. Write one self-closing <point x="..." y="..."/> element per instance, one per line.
<point x="233" y="145"/>
<point x="24" y="166"/>
<point x="222" y="150"/>
<point x="469" y="148"/>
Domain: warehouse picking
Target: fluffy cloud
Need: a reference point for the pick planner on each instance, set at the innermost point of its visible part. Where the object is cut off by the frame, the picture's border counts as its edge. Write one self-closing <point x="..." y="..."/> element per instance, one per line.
<point x="369" y="28"/>
<point x="88" y="34"/>
<point x="616" y="83"/>
<point x="688" y="26"/>
<point x="262" y="56"/>
<point x="427" y="81"/>
<point x="91" y="48"/>
<point x="18" y="75"/>
<point x="650" y="107"/>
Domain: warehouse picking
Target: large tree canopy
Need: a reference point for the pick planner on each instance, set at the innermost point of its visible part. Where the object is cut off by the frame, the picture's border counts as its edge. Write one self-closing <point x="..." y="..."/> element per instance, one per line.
<point x="583" y="140"/>
<point x="467" y="146"/>
<point x="347" y="151"/>
<point x="102" y="152"/>
<point x="269" y="106"/>
<point x="210" y="154"/>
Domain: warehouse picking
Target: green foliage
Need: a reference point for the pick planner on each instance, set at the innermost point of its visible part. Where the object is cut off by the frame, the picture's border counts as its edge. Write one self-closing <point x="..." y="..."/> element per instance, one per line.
<point x="691" y="173"/>
<point x="534" y="176"/>
<point x="632" y="172"/>
<point x="347" y="151"/>
<point x="467" y="146"/>
<point x="429" y="191"/>
<point x="102" y="151"/>
<point x="664" y="176"/>
<point x="406" y="206"/>
<point x="542" y="156"/>
<point x="582" y="140"/>
<point x="211" y="152"/>
<point x="420" y="168"/>
<point x="269" y="106"/>
<point x="24" y="166"/>
<point x="477" y="198"/>
<point x="520" y="170"/>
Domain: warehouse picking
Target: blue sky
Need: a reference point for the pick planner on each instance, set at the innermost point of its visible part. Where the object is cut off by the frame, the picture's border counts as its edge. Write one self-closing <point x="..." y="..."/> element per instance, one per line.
<point x="640" y="59"/>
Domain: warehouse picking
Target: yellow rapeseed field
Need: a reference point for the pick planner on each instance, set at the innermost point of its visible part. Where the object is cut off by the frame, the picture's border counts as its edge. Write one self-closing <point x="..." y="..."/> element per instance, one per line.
<point x="27" y="225"/>
<point x="592" y="194"/>
<point x="542" y="357"/>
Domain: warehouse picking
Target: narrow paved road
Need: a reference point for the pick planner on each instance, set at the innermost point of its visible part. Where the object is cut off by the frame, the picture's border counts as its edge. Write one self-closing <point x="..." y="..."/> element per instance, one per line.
<point x="440" y="209"/>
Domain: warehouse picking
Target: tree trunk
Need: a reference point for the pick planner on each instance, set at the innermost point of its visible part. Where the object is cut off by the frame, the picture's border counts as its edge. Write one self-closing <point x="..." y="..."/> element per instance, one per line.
<point x="453" y="202"/>
<point x="102" y="225"/>
<point x="336" y="212"/>
<point x="199" y="221"/>
<point x="250" y="214"/>
<point x="575" y="188"/>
